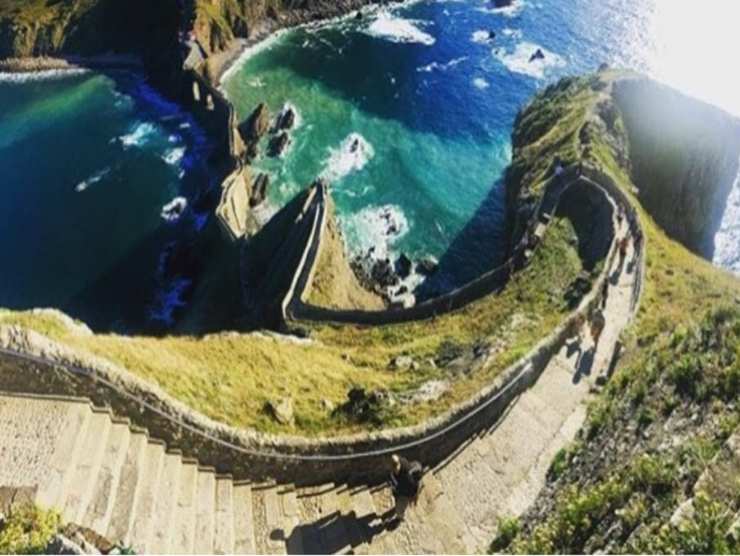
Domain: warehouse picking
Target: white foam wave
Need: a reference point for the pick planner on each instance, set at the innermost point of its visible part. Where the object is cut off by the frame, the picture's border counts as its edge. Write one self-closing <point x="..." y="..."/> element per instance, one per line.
<point x="138" y="136"/>
<point x="513" y="33"/>
<point x="376" y="227"/>
<point x="95" y="178"/>
<point x="264" y="44"/>
<point x="397" y="29"/>
<point x="508" y="11"/>
<point x="352" y="155"/>
<point x="44" y="75"/>
<point x="520" y="60"/>
<point x="173" y="157"/>
<point x="481" y="36"/>
<point x="442" y="67"/>
<point x="480" y="83"/>
<point x="173" y="210"/>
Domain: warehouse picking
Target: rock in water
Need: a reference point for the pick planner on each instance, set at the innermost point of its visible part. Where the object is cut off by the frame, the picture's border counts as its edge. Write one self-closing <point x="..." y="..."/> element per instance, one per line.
<point x="278" y="144"/>
<point x="259" y="189"/>
<point x="403" y="266"/>
<point x="427" y="266"/>
<point x="258" y="123"/>
<point x="383" y="275"/>
<point x="285" y="120"/>
<point x="538" y="55"/>
<point x="503" y="3"/>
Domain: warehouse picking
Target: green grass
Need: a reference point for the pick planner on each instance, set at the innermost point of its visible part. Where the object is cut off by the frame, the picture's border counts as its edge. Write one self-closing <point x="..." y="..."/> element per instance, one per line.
<point x="28" y="530"/>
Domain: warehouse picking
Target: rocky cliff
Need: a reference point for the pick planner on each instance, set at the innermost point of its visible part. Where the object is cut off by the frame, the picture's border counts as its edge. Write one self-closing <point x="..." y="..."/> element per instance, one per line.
<point x="684" y="156"/>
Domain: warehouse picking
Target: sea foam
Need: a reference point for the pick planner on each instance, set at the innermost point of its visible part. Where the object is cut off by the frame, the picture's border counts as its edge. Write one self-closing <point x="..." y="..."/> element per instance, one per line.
<point x="44" y="75"/>
<point x="518" y="61"/>
<point x="351" y="156"/>
<point x="138" y="136"/>
<point x="397" y="29"/>
<point x="429" y="68"/>
<point x="377" y="227"/>
<point x="95" y="178"/>
<point x="173" y="210"/>
<point x="173" y="157"/>
<point x="480" y="83"/>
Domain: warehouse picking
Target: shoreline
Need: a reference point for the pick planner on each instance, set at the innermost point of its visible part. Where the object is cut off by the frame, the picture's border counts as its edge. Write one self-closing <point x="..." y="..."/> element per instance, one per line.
<point x="30" y="65"/>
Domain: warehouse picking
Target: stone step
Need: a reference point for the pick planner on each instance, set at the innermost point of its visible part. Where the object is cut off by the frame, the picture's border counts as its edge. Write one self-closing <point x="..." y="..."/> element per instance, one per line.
<point x="183" y="535"/>
<point x="39" y="444"/>
<point x="146" y="493"/>
<point x="165" y="505"/>
<point x="205" y="510"/>
<point x="243" y="520"/>
<point x="273" y="535"/>
<point x="368" y="519"/>
<point x="81" y="487"/>
<point x="224" y="535"/>
<point x="122" y="512"/>
<point x="99" y="510"/>
<point x="291" y="521"/>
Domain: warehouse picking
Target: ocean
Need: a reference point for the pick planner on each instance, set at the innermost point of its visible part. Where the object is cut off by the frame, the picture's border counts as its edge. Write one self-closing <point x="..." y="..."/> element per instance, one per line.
<point x="89" y="163"/>
<point x="407" y="112"/>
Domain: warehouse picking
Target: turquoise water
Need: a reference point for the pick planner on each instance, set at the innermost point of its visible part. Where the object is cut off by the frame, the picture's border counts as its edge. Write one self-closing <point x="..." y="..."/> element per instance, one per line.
<point x="431" y="101"/>
<point x="88" y="162"/>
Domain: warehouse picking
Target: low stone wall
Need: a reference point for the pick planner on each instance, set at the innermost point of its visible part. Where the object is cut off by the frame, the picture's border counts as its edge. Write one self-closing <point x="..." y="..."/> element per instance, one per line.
<point x="31" y="363"/>
<point x="487" y="284"/>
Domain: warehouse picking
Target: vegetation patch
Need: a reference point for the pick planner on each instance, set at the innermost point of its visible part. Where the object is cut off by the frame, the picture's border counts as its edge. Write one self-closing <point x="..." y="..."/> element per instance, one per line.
<point x="27" y="529"/>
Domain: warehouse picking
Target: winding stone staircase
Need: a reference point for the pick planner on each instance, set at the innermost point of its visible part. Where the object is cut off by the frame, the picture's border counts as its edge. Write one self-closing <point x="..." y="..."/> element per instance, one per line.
<point x="104" y="474"/>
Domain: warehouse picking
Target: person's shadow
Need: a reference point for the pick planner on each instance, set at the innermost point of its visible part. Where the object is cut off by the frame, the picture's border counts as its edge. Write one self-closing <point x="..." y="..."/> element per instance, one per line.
<point x="332" y="533"/>
<point x="584" y="365"/>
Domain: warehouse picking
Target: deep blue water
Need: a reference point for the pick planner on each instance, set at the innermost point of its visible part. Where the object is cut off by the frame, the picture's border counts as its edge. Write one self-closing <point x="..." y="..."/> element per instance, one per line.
<point x="88" y="163"/>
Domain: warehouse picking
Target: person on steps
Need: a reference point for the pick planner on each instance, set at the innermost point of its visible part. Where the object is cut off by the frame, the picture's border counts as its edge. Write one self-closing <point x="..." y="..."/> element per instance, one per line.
<point x="623" y="245"/>
<point x="598" y="322"/>
<point x="405" y="485"/>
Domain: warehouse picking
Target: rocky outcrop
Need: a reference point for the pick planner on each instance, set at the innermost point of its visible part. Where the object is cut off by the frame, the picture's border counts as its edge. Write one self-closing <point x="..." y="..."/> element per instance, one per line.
<point x="256" y="125"/>
<point x="278" y="144"/>
<point x="259" y="189"/>
<point x="684" y="156"/>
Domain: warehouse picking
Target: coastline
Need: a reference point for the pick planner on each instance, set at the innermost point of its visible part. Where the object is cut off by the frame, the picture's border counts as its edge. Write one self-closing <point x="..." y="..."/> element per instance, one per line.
<point x="71" y="63"/>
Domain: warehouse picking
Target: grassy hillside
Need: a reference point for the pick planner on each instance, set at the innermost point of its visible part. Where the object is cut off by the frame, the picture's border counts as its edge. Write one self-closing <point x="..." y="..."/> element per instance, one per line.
<point x="672" y="402"/>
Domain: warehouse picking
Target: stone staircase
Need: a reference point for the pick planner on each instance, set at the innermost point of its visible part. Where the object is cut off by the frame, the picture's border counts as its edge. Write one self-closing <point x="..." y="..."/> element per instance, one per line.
<point x="104" y="474"/>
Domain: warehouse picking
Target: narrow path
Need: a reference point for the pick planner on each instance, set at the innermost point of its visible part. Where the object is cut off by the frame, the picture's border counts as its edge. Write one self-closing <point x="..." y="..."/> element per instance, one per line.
<point x="102" y="473"/>
<point x="500" y="472"/>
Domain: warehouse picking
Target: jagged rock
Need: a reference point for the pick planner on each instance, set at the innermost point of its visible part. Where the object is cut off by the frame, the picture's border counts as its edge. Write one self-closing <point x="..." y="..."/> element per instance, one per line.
<point x="503" y="3"/>
<point x="403" y="266"/>
<point x="427" y="266"/>
<point x="278" y="144"/>
<point x="401" y="363"/>
<point x="328" y="405"/>
<point x="281" y="411"/>
<point x="358" y="15"/>
<point x="259" y="189"/>
<point x="538" y="55"/>
<point x="382" y="274"/>
<point x="59" y="544"/>
<point x="258" y="123"/>
<point x="285" y="120"/>
<point x="365" y="407"/>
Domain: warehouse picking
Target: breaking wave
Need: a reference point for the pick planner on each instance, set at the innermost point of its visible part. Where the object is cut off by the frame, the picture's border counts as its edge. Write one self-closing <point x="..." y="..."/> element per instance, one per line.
<point x="437" y="66"/>
<point x="396" y="29"/>
<point x="520" y="60"/>
<point x="92" y="180"/>
<point x="351" y="156"/>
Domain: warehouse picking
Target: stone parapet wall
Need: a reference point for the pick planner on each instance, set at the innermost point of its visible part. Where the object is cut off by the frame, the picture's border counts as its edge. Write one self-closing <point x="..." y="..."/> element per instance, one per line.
<point x="487" y="284"/>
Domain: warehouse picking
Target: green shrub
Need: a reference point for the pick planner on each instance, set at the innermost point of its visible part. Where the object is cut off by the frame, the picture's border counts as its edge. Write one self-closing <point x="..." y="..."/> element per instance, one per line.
<point x="28" y="530"/>
<point x="508" y="529"/>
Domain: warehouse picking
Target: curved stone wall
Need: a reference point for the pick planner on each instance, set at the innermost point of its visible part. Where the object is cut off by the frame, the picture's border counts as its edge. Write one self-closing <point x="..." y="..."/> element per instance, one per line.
<point x="296" y="309"/>
<point x="31" y="363"/>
